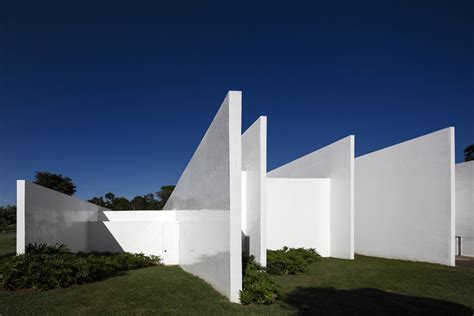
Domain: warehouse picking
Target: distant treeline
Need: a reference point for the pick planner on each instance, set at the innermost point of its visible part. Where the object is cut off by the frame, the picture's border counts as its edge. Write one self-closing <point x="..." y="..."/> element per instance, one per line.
<point x="148" y="201"/>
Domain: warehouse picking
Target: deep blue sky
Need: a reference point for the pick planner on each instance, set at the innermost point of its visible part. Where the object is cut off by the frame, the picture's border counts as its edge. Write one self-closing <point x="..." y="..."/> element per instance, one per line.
<point x="118" y="96"/>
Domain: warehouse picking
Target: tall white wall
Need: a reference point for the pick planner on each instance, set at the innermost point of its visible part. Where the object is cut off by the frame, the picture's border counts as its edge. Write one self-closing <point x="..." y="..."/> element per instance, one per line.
<point x="465" y="206"/>
<point x="405" y="202"/>
<point x="299" y="214"/>
<point x="212" y="182"/>
<point x="336" y="162"/>
<point x="48" y="216"/>
<point x="254" y="164"/>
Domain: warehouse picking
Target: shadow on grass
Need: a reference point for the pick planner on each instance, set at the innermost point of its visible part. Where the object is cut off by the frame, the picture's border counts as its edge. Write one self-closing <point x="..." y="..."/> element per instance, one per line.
<point x="368" y="301"/>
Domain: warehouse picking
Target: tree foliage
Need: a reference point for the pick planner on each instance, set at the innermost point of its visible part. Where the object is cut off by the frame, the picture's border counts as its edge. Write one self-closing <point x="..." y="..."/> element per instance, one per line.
<point x="55" y="181"/>
<point x="469" y="153"/>
<point x="7" y="216"/>
<point x="148" y="201"/>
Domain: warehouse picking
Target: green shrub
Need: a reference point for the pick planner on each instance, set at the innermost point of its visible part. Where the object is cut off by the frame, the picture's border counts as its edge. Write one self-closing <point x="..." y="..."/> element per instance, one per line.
<point x="290" y="260"/>
<point x="258" y="287"/>
<point x="48" y="267"/>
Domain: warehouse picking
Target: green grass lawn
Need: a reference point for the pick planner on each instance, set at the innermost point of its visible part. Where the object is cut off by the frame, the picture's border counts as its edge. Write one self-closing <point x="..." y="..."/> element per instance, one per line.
<point x="340" y="287"/>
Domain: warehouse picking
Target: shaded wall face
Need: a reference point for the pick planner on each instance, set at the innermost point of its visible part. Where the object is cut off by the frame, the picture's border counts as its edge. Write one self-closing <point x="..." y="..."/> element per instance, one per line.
<point x="204" y="247"/>
<point x="299" y="214"/>
<point x="254" y="167"/>
<point x="336" y="162"/>
<point x="48" y="216"/>
<point x="465" y="206"/>
<point x="404" y="198"/>
<point x="211" y="185"/>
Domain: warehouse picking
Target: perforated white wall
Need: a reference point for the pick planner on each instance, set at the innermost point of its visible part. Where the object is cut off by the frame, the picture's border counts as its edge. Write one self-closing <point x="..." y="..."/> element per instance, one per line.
<point x="204" y="241"/>
<point x="336" y="162"/>
<point x="254" y="163"/>
<point x="48" y="216"/>
<point x="205" y="182"/>
<point x="405" y="200"/>
<point x="465" y="206"/>
<point x="298" y="214"/>
<point x="210" y="248"/>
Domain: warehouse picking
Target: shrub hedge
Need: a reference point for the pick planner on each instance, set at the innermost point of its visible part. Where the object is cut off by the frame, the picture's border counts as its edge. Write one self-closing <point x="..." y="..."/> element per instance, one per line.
<point x="47" y="267"/>
<point x="258" y="287"/>
<point x="290" y="260"/>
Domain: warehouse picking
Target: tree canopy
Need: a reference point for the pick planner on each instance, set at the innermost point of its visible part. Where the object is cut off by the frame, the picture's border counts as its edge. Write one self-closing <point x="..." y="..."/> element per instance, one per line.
<point x="148" y="201"/>
<point x="469" y="153"/>
<point x="55" y="181"/>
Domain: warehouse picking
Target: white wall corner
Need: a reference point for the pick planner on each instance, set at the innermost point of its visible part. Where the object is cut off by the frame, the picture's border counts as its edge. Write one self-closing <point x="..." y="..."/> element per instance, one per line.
<point x="452" y="143"/>
<point x="20" y="216"/>
<point x="235" y="185"/>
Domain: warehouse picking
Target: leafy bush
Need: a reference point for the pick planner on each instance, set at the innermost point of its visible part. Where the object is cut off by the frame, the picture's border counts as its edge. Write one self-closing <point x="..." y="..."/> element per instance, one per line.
<point x="258" y="287"/>
<point x="48" y="267"/>
<point x="290" y="260"/>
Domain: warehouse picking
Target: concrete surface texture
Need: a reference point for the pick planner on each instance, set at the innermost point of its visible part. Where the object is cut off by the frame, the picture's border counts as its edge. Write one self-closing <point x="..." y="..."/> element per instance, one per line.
<point x="212" y="182"/>
<point x="405" y="200"/>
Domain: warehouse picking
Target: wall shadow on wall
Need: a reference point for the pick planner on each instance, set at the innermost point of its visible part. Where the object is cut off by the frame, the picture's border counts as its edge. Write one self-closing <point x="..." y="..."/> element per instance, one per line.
<point x="101" y="239"/>
<point x="245" y="244"/>
<point x="367" y="301"/>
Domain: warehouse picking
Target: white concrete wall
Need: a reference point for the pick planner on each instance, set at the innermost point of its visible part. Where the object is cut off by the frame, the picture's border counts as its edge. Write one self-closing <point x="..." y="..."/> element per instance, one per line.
<point x="137" y="215"/>
<point x="204" y="247"/>
<point x="405" y="200"/>
<point x="465" y="206"/>
<point x="212" y="181"/>
<point x="148" y="232"/>
<point x="299" y="214"/>
<point x="48" y="216"/>
<point x="254" y="165"/>
<point x="336" y="162"/>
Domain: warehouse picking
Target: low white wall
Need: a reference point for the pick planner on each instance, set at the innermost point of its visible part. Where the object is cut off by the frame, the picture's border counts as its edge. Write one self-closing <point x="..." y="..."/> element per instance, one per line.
<point x="48" y="216"/>
<point x="336" y="162"/>
<point x="298" y="214"/>
<point x="148" y="232"/>
<point x="405" y="200"/>
<point x="254" y="167"/>
<point x="465" y="206"/>
<point x="137" y="215"/>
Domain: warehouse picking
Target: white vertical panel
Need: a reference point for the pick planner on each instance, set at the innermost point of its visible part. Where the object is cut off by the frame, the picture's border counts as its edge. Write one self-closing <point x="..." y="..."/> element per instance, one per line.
<point x="335" y="161"/>
<point x="405" y="200"/>
<point x="235" y="162"/>
<point x="211" y="183"/>
<point x="465" y="206"/>
<point x="254" y="165"/>
<point x="20" y="216"/>
<point x="299" y="214"/>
